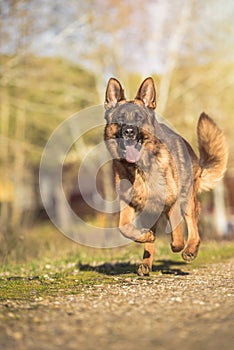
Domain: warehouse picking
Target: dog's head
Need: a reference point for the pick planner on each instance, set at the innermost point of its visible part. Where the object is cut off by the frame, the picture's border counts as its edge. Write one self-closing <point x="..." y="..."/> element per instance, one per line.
<point x="130" y="124"/>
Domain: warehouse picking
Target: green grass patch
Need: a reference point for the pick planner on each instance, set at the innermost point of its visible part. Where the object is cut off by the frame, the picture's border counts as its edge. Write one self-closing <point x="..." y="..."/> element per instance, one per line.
<point x="87" y="267"/>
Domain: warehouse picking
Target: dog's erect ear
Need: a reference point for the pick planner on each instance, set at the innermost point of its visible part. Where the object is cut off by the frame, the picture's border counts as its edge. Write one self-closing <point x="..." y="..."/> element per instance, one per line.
<point x="147" y="93"/>
<point x="114" y="93"/>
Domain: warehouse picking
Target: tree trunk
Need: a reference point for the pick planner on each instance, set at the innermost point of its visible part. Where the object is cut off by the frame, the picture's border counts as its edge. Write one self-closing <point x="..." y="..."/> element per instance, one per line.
<point x="220" y="215"/>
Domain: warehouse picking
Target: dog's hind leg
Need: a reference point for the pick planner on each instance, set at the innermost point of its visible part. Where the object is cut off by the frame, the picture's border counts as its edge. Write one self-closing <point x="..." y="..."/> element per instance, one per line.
<point x="193" y="241"/>
<point x="176" y="228"/>
<point x="148" y="257"/>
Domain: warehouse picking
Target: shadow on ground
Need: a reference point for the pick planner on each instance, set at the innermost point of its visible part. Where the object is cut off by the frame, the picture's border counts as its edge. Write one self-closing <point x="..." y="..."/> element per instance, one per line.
<point x="167" y="267"/>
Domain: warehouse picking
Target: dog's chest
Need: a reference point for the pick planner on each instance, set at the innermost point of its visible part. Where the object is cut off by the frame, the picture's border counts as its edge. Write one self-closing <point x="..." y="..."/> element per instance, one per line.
<point x="147" y="190"/>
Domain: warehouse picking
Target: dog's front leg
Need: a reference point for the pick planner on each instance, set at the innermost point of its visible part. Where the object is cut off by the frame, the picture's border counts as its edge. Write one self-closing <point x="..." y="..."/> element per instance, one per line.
<point x="126" y="227"/>
<point x="148" y="257"/>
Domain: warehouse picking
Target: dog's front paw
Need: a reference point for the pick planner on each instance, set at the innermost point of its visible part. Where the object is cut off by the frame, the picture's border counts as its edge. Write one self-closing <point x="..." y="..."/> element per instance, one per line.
<point x="143" y="270"/>
<point x="146" y="236"/>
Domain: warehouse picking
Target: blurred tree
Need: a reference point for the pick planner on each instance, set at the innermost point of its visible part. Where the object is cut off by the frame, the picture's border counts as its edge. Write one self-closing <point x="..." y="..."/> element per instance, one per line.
<point x="36" y="95"/>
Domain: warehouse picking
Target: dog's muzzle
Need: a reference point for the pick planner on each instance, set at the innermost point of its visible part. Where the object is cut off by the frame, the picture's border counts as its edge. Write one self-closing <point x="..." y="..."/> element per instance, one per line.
<point x="129" y="132"/>
<point x="131" y="143"/>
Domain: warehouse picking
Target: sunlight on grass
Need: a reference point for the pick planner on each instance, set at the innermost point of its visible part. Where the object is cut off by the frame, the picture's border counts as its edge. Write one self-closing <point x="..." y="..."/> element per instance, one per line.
<point x="44" y="248"/>
<point x="57" y="266"/>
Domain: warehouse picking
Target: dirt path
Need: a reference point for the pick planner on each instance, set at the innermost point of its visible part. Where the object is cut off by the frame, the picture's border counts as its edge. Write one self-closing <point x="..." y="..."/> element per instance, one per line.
<point x="164" y="311"/>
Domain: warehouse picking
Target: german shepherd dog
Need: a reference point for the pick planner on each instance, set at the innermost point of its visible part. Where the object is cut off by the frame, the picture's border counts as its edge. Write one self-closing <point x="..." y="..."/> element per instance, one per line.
<point x="157" y="172"/>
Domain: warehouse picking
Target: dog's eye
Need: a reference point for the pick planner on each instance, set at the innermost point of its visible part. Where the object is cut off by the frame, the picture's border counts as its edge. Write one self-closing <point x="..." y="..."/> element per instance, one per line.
<point x="120" y="119"/>
<point x="139" y="118"/>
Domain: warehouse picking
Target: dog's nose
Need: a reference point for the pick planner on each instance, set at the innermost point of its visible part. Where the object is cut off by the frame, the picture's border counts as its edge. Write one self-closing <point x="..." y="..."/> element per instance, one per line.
<point x="129" y="131"/>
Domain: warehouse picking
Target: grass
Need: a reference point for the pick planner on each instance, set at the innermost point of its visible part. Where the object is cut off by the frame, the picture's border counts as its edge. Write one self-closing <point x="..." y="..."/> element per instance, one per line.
<point x="69" y="268"/>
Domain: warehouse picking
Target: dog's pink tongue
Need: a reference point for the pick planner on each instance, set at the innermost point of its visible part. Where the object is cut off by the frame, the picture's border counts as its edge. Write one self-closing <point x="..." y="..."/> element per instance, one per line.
<point x="132" y="154"/>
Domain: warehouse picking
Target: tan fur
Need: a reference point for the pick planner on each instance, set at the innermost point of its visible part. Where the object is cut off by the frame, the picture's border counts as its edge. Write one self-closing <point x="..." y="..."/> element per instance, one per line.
<point x="213" y="152"/>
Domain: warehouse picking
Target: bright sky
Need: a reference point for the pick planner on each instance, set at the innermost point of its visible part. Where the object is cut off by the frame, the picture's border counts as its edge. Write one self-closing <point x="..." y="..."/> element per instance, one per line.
<point x="172" y="26"/>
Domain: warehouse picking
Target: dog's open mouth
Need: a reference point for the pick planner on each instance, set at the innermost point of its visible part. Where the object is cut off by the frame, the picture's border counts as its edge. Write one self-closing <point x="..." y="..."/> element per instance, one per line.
<point x="132" y="151"/>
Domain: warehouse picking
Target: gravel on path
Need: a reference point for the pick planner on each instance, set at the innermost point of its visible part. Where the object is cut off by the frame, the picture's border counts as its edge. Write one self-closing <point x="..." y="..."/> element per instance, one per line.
<point x="165" y="311"/>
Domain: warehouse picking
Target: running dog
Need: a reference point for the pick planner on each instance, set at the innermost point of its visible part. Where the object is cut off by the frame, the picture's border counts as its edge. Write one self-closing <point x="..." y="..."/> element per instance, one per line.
<point x="157" y="172"/>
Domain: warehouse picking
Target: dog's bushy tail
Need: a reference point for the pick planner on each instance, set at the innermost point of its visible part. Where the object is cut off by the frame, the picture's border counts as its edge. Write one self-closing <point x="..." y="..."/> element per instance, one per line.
<point x="213" y="152"/>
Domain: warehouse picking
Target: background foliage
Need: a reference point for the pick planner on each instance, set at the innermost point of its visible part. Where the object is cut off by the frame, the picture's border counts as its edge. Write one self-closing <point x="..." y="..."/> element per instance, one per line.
<point x="56" y="60"/>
